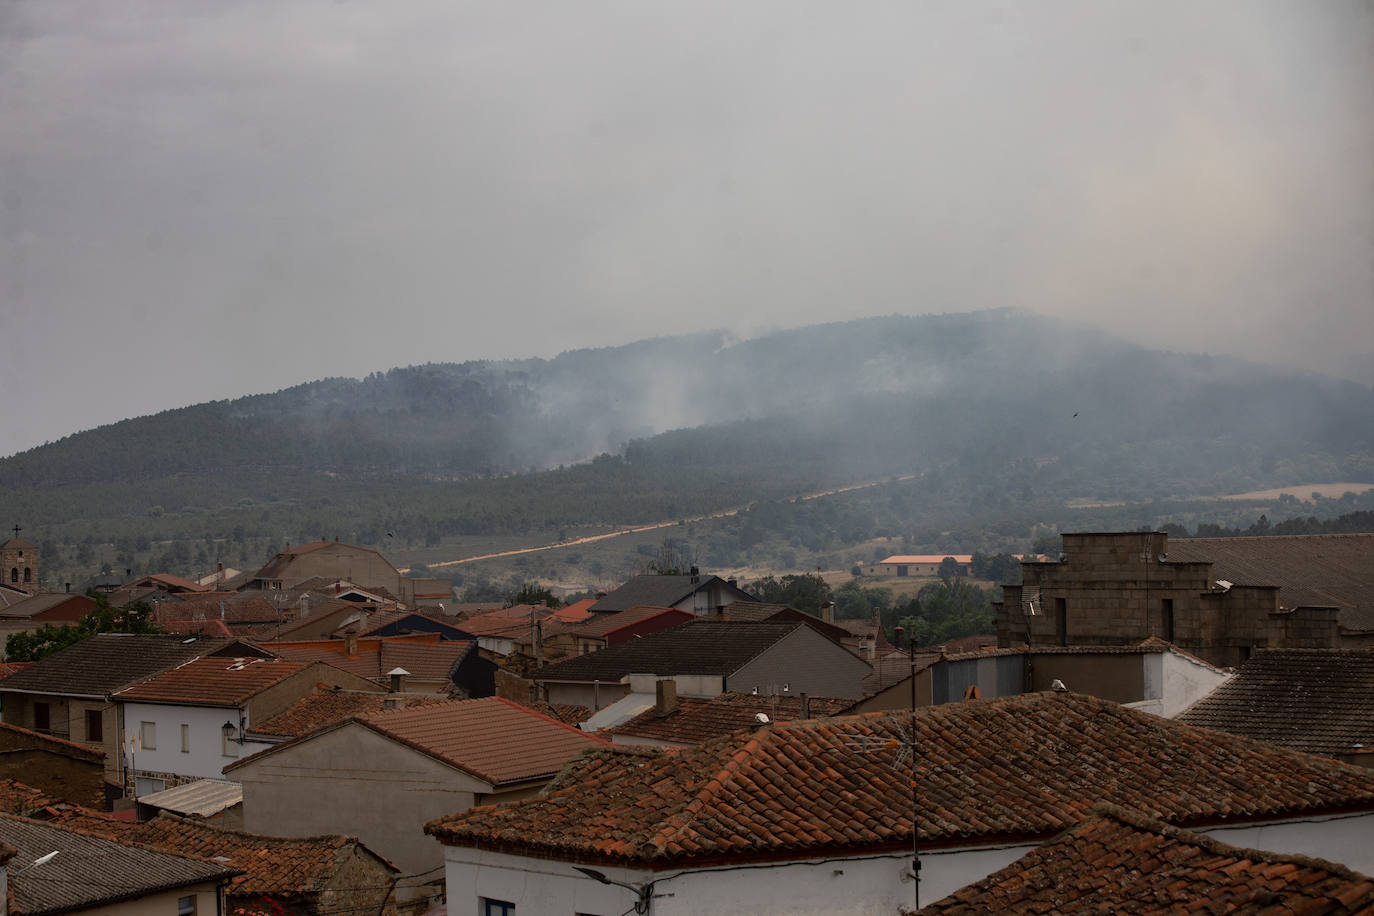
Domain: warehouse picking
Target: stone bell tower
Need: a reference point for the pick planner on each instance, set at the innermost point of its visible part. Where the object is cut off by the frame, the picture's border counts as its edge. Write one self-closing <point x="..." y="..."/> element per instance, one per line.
<point x="19" y="564"/>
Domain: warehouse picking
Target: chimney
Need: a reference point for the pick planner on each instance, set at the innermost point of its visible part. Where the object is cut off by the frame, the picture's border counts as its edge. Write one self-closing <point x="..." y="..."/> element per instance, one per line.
<point x="393" y="701"/>
<point x="665" y="696"/>
<point x="732" y="582"/>
<point x="351" y="642"/>
<point x="696" y="575"/>
<point x="398" y="679"/>
<point x="805" y="707"/>
<point x="828" y="612"/>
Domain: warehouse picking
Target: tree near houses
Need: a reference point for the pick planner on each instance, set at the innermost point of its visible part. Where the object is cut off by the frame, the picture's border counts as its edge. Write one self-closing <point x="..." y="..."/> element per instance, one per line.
<point x="134" y="618"/>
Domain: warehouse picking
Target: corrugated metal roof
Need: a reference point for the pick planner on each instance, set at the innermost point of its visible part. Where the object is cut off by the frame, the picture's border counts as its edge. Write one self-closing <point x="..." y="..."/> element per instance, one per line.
<point x="197" y="799"/>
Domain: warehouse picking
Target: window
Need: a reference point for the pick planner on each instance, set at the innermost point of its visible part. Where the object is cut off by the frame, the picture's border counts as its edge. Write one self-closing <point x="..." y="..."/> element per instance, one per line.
<point x="42" y="717"/>
<point x="14" y="574"/>
<point x="1169" y="619"/>
<point x="28" y="574"/>
<point x="492" y="907"/>
<point x="1061" y="616"/>
<point x="147" y="736"/>
<point x="185" y="738"/>
<point x="95" y="725"/>
<point x="186" y="906"/>
<point x="146" y="785"/>
<point x="228" y="743"/>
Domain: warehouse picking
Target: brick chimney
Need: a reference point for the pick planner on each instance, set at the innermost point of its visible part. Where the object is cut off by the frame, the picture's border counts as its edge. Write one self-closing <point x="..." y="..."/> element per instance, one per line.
<point x="398" y="679"/>
<point x="351" y="642"/>
<point x="665" y="696"/>
<point x="828" y="612"/>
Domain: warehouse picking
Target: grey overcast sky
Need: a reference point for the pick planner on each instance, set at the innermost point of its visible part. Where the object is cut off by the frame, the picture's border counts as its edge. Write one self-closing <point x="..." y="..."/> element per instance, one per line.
<point x="200" y="200"/>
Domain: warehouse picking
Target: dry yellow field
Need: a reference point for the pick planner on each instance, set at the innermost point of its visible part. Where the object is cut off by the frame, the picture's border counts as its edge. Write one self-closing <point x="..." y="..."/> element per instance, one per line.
<point x="1305" y="491"/>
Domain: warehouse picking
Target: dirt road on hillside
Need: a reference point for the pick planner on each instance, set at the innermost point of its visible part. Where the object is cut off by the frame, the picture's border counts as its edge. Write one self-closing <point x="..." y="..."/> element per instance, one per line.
<point x="591" y="539"/>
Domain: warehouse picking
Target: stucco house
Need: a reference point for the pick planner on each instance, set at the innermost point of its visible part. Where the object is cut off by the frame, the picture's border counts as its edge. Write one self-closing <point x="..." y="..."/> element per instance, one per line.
<point x="380" y="776"/>
<point x="70" y="694"/>
<point x="184" y="725"/>
<point x="817" y="816"/>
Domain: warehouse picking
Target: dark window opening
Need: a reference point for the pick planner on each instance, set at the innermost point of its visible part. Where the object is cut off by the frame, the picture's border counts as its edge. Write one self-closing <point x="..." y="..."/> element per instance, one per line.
<point x="1061" y="619"/>
<point x="42" y="717"/>
<point x="95" y="725"/>
<point x="1169" y="619"/>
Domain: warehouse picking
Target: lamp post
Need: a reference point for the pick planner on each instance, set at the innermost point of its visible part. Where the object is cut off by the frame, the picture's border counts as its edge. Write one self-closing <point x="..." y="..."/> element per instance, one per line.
<point x="643" y="892"/>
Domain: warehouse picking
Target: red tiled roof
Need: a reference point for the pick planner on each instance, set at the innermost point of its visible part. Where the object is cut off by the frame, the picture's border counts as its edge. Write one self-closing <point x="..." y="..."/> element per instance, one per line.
<point x="8" y="668"/>
<point x="271" y="865"/>
<point x="491" y="738"/>
<point x="495" y="739"/>
<point x="175" y="582"/>
<point x="19" y="798"/>
<point x="214" y="681"/>
<point x="231" y="609"/>
<point x="501" y="624"/>
<point x="1115" y="861"/>
<point x="49" y="742"/>
<point x="602" y="625"/>
<point x="923" y="558"/>
<point x="697" y="719"/>
<point x="425" y="655"/>
<point x="987" y="770"/>
<point x="575" y="612"/>
<point x="328" y="707"/>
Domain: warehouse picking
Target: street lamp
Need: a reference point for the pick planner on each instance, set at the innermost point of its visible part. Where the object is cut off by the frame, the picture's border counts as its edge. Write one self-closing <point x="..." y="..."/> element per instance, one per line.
<point x="645" y="892"/>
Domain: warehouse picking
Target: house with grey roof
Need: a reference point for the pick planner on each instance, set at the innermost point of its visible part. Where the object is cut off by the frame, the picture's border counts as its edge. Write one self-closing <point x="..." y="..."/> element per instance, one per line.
<point x="70" y="694"/>
<point x="708" y="658"/>
<point x="701" y="595"/>
<point x="60" y="870"/>
<point x="1320" y="701"/>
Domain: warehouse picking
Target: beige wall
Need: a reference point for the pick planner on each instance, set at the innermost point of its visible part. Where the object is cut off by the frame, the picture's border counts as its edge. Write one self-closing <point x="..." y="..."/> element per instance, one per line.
<point x="353" y="781"/>
<point x="67" y="716"/>
<point x="302" y="684"/>
<point x="806" y="662"/>
<point x="164" y="904"/>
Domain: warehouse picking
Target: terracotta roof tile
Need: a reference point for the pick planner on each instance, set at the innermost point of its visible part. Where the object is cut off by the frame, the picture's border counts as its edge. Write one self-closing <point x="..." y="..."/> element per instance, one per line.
<point x="214" y="681"/>
<point x="1116" y="861"/>
<point x="1316" y="700"/>
<point x="698" y="719"/>
<point x="424" y="655"/>
<point x="271" y="865"/>
<point x="495" y="739"/>
<point x="328" y="707"/>
<point x="601" y="625"/>
<point x="51" y="743"/>
<point x="987" y="770"/>
<point x="108" y="662"/>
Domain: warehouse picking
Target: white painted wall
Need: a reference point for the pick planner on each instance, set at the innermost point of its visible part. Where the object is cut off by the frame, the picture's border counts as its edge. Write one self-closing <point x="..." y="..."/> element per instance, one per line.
<point x="1345" y="839"/>
<point x="854" y="885"/>
<point x="874" y="884"/>
<point x="1186" y="681"/>
<point x="204" y="760"/>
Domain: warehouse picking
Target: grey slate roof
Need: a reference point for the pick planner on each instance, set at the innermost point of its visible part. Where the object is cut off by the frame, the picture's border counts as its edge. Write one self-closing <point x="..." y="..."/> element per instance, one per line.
<point x="1318" y="570"/>
<point x="660" y="591"/>
<point x="1320" y="701"/>
<point x="90" y="871"/>
<point x="757" y="611"/>
<point x="107" y="662"/>
<point x="699" y="647"/>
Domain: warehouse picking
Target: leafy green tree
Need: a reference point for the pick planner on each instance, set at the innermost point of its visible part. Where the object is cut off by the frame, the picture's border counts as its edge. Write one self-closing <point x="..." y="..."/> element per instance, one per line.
<point x="133" y="618"/>
<point x="807" y="592"/>
<point x="533" y="594"/>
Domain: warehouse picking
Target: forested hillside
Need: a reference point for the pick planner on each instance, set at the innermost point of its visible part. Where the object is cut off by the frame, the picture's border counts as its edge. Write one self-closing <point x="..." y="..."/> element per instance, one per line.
<point x="1000" y="418"/>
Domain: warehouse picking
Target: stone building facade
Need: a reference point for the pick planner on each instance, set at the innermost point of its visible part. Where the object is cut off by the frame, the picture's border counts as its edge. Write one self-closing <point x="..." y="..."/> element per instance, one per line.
<point x="1116" y="589"/>
<point x="19" y="565"/>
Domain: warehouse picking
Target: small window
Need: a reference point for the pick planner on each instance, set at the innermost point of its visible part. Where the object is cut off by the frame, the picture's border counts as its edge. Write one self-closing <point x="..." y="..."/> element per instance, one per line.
<point x="28" y="574"/>
<point x="14" y="574"/>
<point x="229" y="747"/>
<point x="147" y="735"/>
<point x="185" y="738"/>
<point x="95" y="725"/>
<point x="492" y="907"/>
<point x="42" y="717"/>
<point x="146" y="785"/>
<point x="186" y="906"/>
